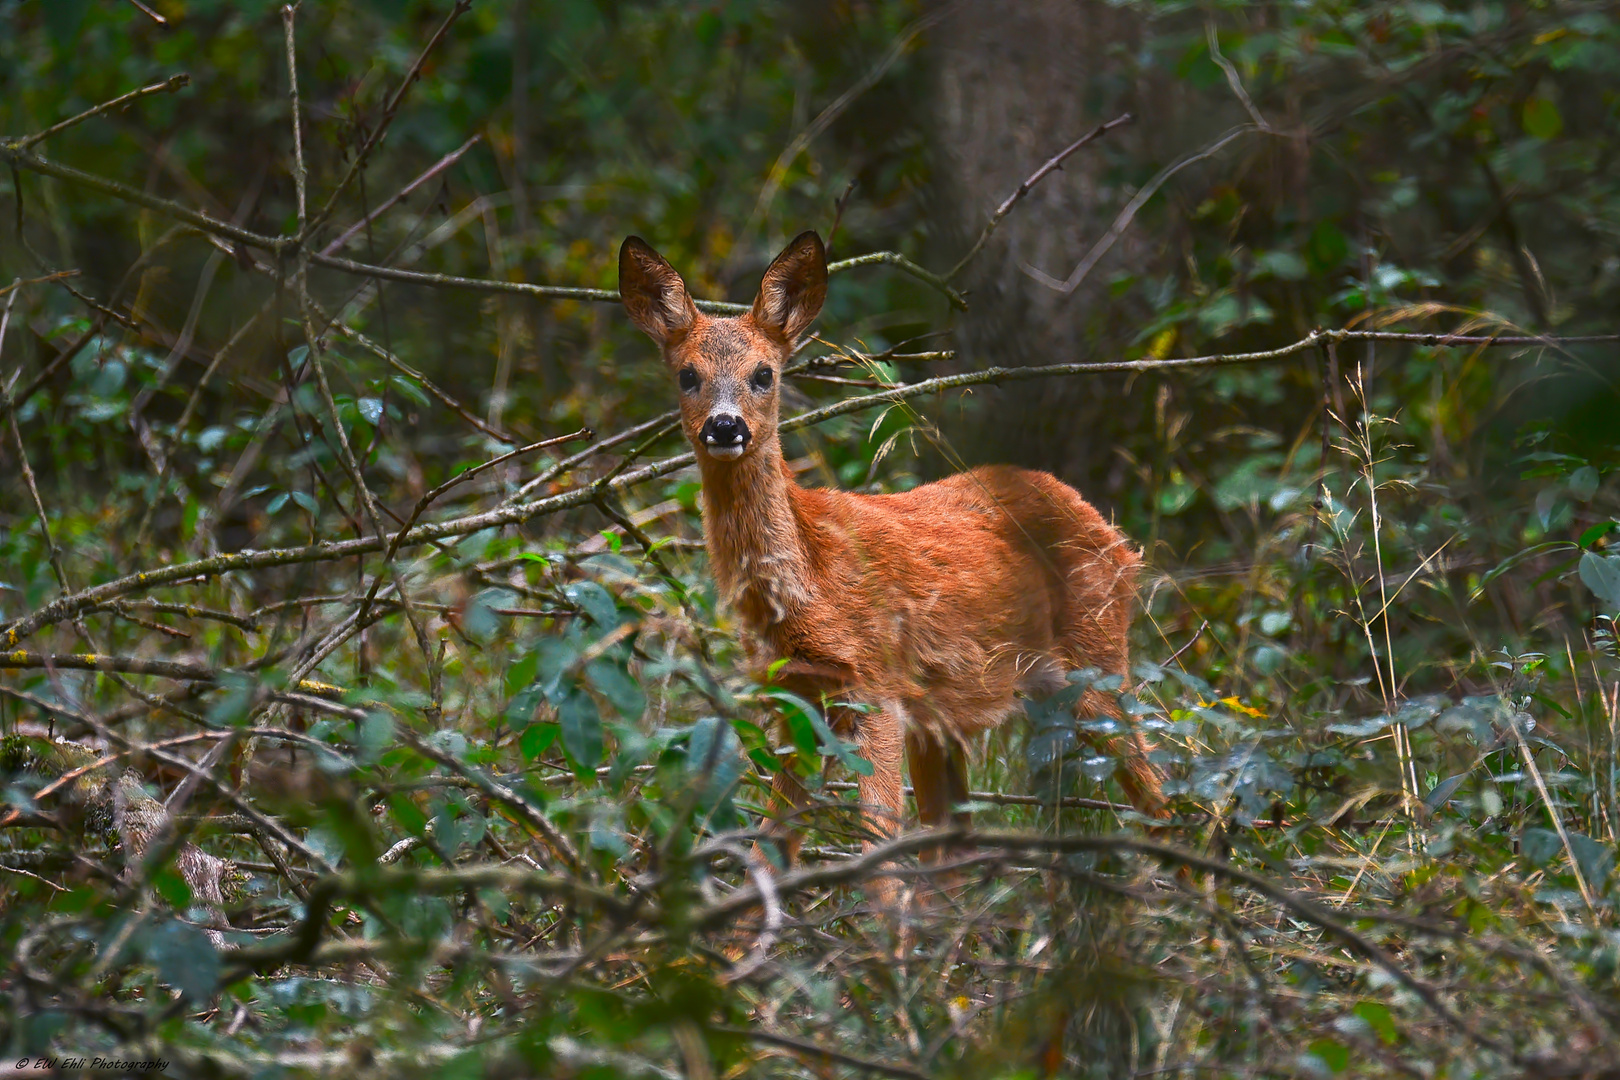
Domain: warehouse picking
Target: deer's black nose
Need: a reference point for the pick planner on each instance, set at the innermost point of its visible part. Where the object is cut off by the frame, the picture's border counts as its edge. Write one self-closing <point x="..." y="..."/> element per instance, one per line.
<point x="724" y="430"/>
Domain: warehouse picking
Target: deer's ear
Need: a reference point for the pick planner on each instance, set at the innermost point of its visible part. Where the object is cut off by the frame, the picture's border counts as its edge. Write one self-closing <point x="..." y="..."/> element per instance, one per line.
<point x="654" y="295"/>
<point x="793" y="289"/>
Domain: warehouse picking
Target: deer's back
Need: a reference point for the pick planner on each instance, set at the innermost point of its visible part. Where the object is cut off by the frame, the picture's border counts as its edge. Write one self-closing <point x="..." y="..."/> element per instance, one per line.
<point x="956" y="585"/>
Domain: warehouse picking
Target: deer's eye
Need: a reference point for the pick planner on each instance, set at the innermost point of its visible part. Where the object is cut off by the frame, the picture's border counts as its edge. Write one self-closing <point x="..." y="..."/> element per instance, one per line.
<point x="762" y="377"/>
<point x="688" y="378"/>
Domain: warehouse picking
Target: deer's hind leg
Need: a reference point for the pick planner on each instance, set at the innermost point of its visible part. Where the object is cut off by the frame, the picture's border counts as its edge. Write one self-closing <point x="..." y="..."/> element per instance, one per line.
<point x="1138" y="776"/>
<point x="1093" y="631"/>
<point x="938" y="778"/>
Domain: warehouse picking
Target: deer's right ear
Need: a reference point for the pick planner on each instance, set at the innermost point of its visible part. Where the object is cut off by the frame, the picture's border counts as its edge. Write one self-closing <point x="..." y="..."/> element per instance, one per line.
<point x="654" y="295"/>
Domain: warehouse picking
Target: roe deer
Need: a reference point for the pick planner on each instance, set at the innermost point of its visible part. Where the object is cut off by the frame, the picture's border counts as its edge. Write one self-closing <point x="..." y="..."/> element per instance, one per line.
<point x="933" y="607"/>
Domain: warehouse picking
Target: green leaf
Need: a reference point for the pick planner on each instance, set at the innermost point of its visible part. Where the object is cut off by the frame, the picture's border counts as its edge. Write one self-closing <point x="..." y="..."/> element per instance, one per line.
<point x="595" y="601"/>
<point x="846" y="752"/>
<point x="478" y="619"/>
<point x="307" y="501"/>
<point x="1360" y="729"/>
<point x="1377" y="1017"/>
<point x="407" y="815"/>
<point x="581" y="724"/>
<point x="1443" y="791"/>
<point x="1540" y="846"/>
<point x="233" y="708"/>
<point x="1175" y="496"/>
<point x="713" y="752"/>
<point x="1583" y="483"/>
<point x="615" y="683"/>
<point x="62" y="19"/>
<point x="1598" y="532"/>
<point x="537" y="739"/>
<point x="522" y="671"/>
<point x="1601" y="574"/>
<point x="1275" y="622"/>
<point x="375" y="735"/>
<point x="1327" y="247"/>
<point x="211" y="437"/>
<point x="555" y="656"/>
<point x="1333" y="1054"/>
<point x="172" y="887"/>
<point x="1596" y="859"/>
<point x="1147" y="671"/>
<point x="520" y="710"/>
<point x="1282" y="264"/>
<point x="409" y="388"/>
<point x="1541" y="119"/>
<point x="185" y="959"/>
<point x="708" y="28"/>
<point x="1047" y="748"/>
<point x="797" y="711"/>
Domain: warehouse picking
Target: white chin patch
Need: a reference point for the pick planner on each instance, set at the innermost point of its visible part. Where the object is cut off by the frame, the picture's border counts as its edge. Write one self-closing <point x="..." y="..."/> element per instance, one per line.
<point x="725" y="453"/>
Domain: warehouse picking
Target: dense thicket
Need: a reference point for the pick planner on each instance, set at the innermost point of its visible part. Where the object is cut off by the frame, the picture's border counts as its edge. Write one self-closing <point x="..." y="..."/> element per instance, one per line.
<point x="314" y="760"/>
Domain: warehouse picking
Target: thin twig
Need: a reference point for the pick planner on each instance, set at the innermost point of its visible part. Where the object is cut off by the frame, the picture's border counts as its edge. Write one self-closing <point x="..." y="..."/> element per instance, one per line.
<point x="390" y="110"/>
<point x="23" y="283"/>
<point x="16" y="659"/>
<point x="34" y="163"/>
<point x="449" y="281"/>
<point x="22" y="454"/>
<point x="167" y="86"/>
<point x="148" y="12"/>
<point x="432" y="496"/>
<point x="1055" y="162"/>
<point x="1232" y="79"/>
<point x="895" y="259"/>
<point x="823" y="1054"/>
<point x="876" y="860"/>
<point x="403" y="193"/>
<point x="824" y="119"/>
<point x="1128" y="214"/>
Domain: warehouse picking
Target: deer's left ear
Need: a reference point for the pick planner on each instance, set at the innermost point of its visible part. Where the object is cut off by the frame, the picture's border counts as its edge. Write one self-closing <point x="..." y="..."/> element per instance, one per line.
<point x="793" y="289"/>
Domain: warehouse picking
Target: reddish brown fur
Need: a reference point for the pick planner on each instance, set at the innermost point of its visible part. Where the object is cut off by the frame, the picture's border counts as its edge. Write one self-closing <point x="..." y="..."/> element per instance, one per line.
<point x="936" y="606"/>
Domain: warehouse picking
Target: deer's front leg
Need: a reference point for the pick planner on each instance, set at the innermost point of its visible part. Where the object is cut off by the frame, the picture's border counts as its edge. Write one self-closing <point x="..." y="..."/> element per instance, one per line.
<point x="788" y="800"/>
<point x="880" y="740"/>
<point x="813" y="681"/>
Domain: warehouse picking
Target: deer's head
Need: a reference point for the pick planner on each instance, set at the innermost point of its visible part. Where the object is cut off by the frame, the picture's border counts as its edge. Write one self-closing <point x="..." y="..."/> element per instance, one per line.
<point x="726" y="368"/>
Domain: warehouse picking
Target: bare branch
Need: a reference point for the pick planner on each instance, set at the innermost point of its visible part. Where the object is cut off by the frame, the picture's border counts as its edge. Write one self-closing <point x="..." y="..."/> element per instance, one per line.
<point x="900" y="261"/>
<point x="1127" y="215"/>
<point x="403" y="193"/>
<point x="390" y="110"/>
<point x="167" y="86"/>
<point x="1055" y="162"/>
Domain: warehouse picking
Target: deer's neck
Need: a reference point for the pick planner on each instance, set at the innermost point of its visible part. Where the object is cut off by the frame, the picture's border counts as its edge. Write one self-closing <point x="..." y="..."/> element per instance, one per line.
<point x="757" y="547"/>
